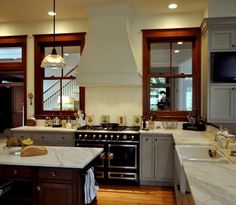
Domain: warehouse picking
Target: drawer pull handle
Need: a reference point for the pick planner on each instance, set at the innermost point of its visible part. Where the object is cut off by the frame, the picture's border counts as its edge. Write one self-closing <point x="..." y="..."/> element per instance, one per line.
<point x="178" y="187"/>
<point x="42" y="137"/>
<point x="15" y="172"/>
<point x="53" y="174"/>
<point x="63" y="138"/>
<point x="146" y="139"/>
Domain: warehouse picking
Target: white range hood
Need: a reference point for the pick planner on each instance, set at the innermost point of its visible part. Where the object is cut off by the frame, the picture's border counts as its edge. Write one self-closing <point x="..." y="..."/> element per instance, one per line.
<point x="108" y="57"/>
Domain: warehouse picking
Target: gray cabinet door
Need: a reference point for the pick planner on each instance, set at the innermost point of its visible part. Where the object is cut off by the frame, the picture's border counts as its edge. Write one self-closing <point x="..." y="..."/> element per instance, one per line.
<point x="147" y="158"/>
<point x="164" y="158"/>
<point x="63" y="139"/>
<point x="222" y="40"/>
<point x="221" y="103"/>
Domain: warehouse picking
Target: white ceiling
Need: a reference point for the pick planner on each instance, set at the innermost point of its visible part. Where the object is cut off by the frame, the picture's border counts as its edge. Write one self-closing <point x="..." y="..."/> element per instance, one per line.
<point x="28" y="10"/>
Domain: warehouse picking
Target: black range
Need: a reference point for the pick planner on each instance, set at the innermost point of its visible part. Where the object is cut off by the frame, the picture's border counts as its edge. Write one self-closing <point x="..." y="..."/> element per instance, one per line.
<point x="119" y="163"/>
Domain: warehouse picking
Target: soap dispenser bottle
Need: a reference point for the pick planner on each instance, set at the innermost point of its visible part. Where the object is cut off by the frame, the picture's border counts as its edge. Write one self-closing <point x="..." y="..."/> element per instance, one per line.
<point x="68" y="123"/>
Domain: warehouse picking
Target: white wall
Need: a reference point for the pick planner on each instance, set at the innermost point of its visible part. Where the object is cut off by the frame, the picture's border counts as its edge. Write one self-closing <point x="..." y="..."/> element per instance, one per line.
<point x="100" y="100"/>
<point x="113" y="101"/>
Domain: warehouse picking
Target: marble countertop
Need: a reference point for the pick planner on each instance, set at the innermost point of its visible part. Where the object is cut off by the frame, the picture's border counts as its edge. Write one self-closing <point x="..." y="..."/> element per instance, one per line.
<point x="210" y="183"/>
<point x="184" y="136"/>
<point x="42" y="129"/>
<point x="64" y="157"/>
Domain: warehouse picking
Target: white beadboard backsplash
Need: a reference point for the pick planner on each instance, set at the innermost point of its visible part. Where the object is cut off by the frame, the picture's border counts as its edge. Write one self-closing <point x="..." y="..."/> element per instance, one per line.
<point x="113" y="101"/>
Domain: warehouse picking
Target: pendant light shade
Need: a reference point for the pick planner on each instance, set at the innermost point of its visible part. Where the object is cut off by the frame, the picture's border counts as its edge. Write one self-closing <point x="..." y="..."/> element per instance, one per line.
<point x="53" y="60"/>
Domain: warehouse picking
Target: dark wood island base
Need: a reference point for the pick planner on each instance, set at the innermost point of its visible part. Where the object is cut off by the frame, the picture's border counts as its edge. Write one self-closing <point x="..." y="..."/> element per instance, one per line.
<point x="43" y="185"/>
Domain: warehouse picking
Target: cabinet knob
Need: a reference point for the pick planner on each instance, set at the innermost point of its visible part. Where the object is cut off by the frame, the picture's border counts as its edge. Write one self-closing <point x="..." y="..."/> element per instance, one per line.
<point x="53" y="174"/>
<point x="233" y="45"/>
<point x="146" y="139"/>
<point x="178" y="187"/>
<point x="38" y="188"/>
<point x="15" y="172"/>
<point x="42" y="137"/>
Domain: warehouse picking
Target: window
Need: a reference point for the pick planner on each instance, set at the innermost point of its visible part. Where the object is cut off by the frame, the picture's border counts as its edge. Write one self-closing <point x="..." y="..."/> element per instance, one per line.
<point x="171" y="73"/>
<point x="57" y="91"/>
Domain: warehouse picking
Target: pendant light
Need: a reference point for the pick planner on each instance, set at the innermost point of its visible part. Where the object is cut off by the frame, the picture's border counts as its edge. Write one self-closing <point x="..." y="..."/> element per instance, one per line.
<point x="53" y="60"/>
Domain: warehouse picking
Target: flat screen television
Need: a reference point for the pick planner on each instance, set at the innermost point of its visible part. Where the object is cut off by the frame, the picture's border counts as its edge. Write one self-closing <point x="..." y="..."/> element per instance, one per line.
<point x="223" y="67"/>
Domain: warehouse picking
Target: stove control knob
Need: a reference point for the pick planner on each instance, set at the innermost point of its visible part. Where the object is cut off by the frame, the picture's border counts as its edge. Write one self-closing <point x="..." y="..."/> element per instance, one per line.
<point x="106" y="137"/>
<point x="94" y="137"/>
<point x="125" y="137"/>
<point x="80" y="136"/>
<point x="112" y="136"/>
<point x="118" y="137"/>
<point x="132" y="137"/>
<point x="100" y="137"/>
<point x="85" y="136"/>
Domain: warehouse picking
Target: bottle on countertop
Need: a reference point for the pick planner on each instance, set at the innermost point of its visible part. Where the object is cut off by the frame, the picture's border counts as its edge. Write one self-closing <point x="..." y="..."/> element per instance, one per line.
<point x="68" y="123"/>
<point x="151" y="124"/>
<point x="144" y="125"/>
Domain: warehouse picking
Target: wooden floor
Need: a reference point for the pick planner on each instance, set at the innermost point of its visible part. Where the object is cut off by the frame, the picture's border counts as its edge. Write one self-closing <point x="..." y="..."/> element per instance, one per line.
<point x="135" y="195"/>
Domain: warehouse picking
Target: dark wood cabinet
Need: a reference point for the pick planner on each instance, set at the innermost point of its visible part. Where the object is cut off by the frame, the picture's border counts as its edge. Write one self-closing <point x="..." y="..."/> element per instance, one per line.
<point x="43" y="185"/>
<point x="55" y="193"/>
<point x="22" y="182"/>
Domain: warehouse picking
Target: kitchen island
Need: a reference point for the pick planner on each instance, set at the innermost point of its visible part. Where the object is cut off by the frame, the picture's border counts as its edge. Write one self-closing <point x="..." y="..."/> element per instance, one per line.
<point x="55" y="178"/>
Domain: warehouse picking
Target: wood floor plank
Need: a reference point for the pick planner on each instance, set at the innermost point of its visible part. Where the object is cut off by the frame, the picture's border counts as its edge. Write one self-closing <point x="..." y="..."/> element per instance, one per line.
<point x="135" y="195"/>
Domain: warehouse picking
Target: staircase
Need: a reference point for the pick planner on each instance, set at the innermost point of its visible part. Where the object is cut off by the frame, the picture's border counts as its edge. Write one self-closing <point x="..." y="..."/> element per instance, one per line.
<point x="68" y="91"/>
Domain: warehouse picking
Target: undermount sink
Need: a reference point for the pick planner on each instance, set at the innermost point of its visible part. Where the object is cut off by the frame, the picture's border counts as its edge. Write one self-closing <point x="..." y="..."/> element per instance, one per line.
<point x="200" y="153"/>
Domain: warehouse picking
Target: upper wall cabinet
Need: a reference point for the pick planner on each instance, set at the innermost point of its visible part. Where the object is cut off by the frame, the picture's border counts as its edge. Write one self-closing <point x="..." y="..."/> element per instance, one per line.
<point x="218" y="68"/>
<point x="223" y="40"/>
<point x="222" y="33"/>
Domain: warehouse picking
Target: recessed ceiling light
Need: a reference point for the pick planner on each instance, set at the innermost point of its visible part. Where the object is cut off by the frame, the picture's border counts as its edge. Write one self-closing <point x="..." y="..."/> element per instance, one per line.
<point x="51" y="13"/>
<point x="176" y="51"/>
<point x="180" y="43"/>
<point x="172" y="6"/>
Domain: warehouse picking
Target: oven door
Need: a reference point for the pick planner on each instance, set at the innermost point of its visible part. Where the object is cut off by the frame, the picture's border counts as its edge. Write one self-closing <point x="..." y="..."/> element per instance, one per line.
<point x="123" y="156"/>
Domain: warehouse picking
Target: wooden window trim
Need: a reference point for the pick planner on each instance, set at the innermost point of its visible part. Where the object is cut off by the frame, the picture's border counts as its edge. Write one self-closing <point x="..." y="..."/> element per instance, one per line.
<point x="155" y="35"/>
<point x="16" y="67"/>
<point x="47" y="40"/>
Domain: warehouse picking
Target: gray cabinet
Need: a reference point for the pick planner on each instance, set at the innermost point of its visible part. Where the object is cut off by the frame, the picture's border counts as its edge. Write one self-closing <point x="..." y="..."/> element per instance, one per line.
<point x="42" y="138"/>
<point x="222" y="103"/>
<point x="223" y="40"/>
<point x="156" y="159"/>
<point x="63" y="139"/>
<point x="183" y="194"/>
<point x="22" y="135"/>
<point x="47" y="138"/>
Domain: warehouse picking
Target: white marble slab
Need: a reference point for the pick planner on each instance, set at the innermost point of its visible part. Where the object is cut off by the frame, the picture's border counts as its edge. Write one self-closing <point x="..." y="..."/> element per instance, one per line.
<point x="42" y="129"/>
<point x="65" y="157"/>
<point x="184" y="136"/>
<point x="212" y="183"/>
